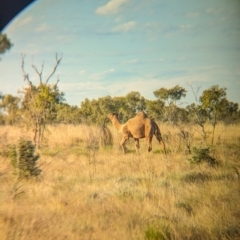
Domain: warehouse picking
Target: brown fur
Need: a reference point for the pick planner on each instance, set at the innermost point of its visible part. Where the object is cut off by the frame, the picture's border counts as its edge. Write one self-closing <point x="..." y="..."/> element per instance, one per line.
<point x="138" y="127"/>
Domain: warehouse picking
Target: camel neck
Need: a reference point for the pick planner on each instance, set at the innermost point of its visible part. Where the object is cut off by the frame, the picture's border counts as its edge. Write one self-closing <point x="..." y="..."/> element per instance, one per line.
<point x="116" y="123"/>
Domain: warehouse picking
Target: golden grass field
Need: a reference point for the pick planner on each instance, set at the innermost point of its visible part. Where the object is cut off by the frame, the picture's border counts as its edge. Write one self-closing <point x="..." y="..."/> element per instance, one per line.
<point x="88" y="192"/>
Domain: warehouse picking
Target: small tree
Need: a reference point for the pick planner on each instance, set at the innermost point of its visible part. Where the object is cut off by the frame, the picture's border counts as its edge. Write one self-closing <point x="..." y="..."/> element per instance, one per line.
<point x="5" y="43"/>
<point x="170" y="96"/>
<point x="39" y="105"/>
<point x="212" y="100"/>
<point x="196" y="113"/>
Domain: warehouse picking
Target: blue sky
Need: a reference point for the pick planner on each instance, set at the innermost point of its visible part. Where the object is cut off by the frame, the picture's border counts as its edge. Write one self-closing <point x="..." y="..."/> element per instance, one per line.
<point x="118" y="46"/>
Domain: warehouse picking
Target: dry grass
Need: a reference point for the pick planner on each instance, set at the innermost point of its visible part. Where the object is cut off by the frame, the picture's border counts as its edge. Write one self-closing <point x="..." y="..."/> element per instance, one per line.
<point x="89" y="192"/>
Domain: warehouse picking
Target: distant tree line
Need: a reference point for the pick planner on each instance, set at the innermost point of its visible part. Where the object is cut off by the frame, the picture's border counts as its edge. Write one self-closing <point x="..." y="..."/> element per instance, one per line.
<point x="46" y="101"/>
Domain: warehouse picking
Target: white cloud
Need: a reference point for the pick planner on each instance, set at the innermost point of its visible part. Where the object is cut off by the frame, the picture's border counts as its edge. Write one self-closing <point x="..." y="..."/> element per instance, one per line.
<point x="83" y="86"/>
<point x="153" y="25"/>
<point x="82" y="72"/>
<point x="65" y="38"/>
<point x="181" y="59"/>
<point x="102" y="75"/>
<point x="193" y="15"/>
<point x="214" y="10"/>
<point x="25" y="21"/>
<point x="41" y="28"/>
<point x="112" y="7"/>
<point x="153" y="30"/>
<point x="118" y="19"/>
<point x="145" y="85"/>
<point x="125" y="27"/>
<point x="93" y="88"/>
<point x="186" y="26"/>
<point x="132" y="61"/>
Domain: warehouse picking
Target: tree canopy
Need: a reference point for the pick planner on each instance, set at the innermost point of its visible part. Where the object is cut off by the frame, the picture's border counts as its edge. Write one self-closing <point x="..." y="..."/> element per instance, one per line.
<point x="5" y="43"/>
<point x="46" y="101"/>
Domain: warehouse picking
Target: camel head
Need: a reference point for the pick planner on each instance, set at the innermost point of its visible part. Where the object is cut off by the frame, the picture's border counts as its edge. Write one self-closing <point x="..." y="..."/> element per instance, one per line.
<point x="112" y="115"/>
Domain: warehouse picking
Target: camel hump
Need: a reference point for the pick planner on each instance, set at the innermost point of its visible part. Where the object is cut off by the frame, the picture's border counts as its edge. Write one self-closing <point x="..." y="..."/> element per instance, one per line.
<point x="141" y="114"/>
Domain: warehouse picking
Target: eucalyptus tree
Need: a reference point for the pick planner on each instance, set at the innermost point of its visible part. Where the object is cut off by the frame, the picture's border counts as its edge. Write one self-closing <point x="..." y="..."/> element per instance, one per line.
<point x="68" y="114"/>
<point x="155" y="109"/>
<point x="132" y="103"/>
<point x="171" y="97"/>
<point x="96" y="110"/>
<point x="215" y="103"/>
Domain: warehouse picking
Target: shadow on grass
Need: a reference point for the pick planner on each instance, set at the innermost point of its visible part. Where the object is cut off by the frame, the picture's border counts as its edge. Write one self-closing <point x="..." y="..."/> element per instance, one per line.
<point x="196" y="177"/>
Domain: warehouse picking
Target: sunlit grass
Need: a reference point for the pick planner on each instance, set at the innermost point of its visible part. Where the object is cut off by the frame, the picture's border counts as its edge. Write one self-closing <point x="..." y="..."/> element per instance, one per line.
<point x="90" y="192"/>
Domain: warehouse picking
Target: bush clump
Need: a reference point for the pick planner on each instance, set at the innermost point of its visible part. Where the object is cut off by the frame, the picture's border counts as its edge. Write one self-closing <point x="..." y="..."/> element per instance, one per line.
<point x="24" y="159"/>
<point x="202" y="155"/>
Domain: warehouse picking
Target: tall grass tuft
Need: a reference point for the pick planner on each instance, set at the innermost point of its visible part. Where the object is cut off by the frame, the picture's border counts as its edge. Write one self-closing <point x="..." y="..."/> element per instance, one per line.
<point x="23" y="158"/>
<point x="105" y="137"/>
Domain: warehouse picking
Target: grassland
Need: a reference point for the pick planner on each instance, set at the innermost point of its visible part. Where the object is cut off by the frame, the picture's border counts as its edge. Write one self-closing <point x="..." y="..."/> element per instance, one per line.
<point x="89" y="192"/>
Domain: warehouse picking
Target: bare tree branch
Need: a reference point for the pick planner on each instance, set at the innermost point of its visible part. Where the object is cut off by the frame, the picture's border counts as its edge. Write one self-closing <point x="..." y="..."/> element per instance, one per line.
<point x="39" y="73"/>
<point x="195" y="93"/>
<point x="57" y="80"/>
<point x="25" y="75"/>
<point x="58" y="60"/>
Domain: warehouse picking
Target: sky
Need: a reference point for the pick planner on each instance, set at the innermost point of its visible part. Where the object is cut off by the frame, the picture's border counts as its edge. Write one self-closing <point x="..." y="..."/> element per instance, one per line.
<point x="113" y="47"/>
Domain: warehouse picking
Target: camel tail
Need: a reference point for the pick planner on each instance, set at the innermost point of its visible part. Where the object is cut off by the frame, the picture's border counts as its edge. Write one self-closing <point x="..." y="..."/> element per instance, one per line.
<point x="158" y="135"/>
<point x="157" y="132"/>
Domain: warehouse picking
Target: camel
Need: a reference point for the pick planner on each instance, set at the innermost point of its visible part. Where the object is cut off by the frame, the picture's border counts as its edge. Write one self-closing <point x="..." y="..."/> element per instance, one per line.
<point x="138" y="127"/>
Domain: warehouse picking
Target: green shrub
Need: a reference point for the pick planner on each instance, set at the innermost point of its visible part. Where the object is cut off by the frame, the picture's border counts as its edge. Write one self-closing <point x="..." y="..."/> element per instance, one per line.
<point x="202" y="155"/>
<point x="23" y="159"/>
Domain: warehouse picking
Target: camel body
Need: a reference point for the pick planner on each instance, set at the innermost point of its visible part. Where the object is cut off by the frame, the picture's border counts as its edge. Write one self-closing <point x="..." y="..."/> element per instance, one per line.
<point x="137" y="128"/>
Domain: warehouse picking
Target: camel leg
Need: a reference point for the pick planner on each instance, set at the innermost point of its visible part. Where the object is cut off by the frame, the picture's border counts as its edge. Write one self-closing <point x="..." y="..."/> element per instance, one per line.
<point x="137" y="146"/>
<point x="122" y="144"/>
